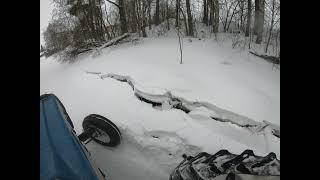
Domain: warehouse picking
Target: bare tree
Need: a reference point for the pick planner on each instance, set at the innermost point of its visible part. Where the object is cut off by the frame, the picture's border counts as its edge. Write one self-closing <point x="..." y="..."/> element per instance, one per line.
<point x="149" y="14"/>
<point x="228" y="9"/>
<point x="56" y="37"/>
<point x="260" y="21"/>
<point x="248" y="19"/>
<point x="210" y="12"/>
<point x="143" y="9"/>
<point x="162" y="11"/>
<point x="122" y="13"/>
<point x="184" y="19"/>
<point x="167" y="14"/>
<point x="256" y="16"/>
<point x="241" y="14"/>
<point x="111" y="27"/>
<point x="190" y="23"/>
<point x="89" y="15"/>
<point x="216" y="16"/>
<point x="133" y="21"/>
<point x="231" y="8"/>
<point x="178" y="8"/>
<point x="232" y="15"/>
<point x="205" y="12"/>
<point x="177" y="12"/>
<point x="271" y="25"/>
<point x="136" y="15"/>
<point x="157" y="13"/>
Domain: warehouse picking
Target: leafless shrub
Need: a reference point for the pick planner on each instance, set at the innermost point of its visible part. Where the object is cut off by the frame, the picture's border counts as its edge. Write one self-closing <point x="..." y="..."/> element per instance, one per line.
<point x="237" y="40"/>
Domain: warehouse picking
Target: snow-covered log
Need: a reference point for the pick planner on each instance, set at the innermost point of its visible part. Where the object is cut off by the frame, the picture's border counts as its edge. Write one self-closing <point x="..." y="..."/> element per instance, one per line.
<point x="98" y="47"/>
<point x="115" y="40"/>
<point x="169" y="101"/>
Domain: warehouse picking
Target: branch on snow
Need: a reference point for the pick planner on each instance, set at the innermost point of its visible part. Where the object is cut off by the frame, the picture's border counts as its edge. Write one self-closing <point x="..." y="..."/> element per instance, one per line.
<point x="271" y="59"/>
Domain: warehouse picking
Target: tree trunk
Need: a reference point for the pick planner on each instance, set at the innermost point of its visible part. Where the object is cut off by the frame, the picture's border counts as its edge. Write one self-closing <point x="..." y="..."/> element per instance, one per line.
<point x="216" y="16"/>
<point x="103" y="25"/>
<point x="91" y="20"/>
<point x="105" y="30"/>
<point x="178" y="27"/>
<point x="137" y="16"/>
<point x="149" y="14"/>
<point x="167" y="14"/>
<point x="134" y="19"/>
<point x="86" y="23"/>
<point x="190" y="23"/>
<point x="162" y="12"/>
<point x="107" y="18"/>
<point x="271" y="26"/>
<point x="260" y="22"/>
<point x="241" y="14"/>
<point x="210" y="12"/>
<point x="177" y="12"/>
<point x="226" y="21"/>
<point x="205" y="12"/>
<point x="184" y="20"/>
<point x="140" y="16"/>
<point x="248" y="19"/>
<point x="144" y="8"/>
<point x="122" y="13"/>
<point x="157" y="13"/>
<point x="111" y="29"/>
<point x="256" y="16"/>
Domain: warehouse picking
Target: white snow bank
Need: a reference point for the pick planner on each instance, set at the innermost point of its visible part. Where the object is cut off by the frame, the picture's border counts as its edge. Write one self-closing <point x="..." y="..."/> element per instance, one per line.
<point x="245" y="85"/>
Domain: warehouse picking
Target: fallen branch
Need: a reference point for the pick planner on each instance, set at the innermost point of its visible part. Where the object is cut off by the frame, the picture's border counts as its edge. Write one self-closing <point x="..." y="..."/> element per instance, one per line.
<point x="91" y="72"/>
<point x="115" y="41"/>
<point x="271" y="59"/>
<point x="77" y="52"/>
<point x="98" y="47"/>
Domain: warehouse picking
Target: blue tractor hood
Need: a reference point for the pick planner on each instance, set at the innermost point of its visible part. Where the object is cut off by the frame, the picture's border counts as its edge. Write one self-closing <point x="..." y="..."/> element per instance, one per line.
<point x="62" y="155"/>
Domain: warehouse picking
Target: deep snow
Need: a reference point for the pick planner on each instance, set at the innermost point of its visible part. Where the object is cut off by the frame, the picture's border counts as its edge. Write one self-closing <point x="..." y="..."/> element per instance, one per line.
<point x="154" y="140"/>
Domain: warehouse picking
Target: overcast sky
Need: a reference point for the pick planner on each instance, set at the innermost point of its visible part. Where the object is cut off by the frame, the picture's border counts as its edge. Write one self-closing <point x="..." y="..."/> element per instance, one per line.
<point x="45" y="14"/>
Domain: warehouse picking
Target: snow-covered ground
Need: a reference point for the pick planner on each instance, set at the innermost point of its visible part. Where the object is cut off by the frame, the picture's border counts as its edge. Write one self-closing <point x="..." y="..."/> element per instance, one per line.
<point x="154" y="139"/>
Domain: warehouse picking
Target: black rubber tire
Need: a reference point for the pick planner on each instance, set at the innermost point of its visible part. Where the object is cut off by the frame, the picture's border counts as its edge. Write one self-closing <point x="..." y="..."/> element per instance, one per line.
<point x="104" y="124"/>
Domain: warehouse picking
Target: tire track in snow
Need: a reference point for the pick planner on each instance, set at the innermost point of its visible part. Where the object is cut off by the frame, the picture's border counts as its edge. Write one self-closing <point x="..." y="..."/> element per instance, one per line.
<point x="150" y="155"/>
